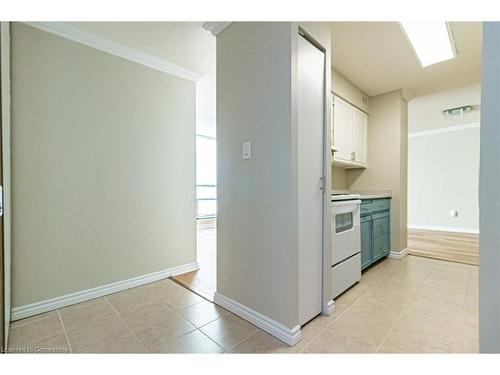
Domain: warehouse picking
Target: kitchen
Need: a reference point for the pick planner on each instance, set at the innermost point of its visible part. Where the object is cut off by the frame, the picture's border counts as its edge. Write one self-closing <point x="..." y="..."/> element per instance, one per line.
<point x="350" y="248"/>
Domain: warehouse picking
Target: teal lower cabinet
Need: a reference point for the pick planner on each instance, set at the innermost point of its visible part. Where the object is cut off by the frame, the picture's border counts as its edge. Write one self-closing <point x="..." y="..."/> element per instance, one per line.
<point x="375" y="230"/>
<point x="366" y="241"/>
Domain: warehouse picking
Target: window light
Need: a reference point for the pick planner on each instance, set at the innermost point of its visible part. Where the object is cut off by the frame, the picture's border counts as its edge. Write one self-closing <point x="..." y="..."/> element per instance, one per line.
<point x="431" y="41"/>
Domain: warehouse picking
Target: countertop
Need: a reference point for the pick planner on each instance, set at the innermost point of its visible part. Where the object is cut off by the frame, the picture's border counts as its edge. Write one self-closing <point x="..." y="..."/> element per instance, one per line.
<point x="367" y="194"/>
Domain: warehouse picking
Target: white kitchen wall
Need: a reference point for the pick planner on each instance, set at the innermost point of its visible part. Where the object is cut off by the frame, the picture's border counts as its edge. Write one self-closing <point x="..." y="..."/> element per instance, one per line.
<point x="424" y="112"/>
<point x="443" y="175"/>
<point x="443" y="161"/>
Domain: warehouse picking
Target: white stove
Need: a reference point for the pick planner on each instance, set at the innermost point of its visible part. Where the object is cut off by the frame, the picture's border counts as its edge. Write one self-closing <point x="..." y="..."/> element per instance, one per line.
<point x="346" y="242"/>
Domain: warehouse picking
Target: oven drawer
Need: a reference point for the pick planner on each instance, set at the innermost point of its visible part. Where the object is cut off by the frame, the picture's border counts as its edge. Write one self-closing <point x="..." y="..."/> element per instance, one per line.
<point x="346" y="274"/>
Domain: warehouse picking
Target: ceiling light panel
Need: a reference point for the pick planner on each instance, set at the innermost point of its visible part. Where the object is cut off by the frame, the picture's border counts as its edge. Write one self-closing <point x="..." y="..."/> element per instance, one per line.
<point x="431" y="41"/>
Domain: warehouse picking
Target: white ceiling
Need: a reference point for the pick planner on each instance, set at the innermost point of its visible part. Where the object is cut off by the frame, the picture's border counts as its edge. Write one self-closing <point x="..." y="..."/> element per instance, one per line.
<point x="377" y="57"/>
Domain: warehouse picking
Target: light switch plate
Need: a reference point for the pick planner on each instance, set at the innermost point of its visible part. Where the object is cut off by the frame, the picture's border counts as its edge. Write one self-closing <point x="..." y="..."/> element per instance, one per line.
<point x="246" y="150"/>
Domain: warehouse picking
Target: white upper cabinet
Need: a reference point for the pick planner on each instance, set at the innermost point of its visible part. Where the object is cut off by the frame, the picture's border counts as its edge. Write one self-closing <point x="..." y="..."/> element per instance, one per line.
<point x="342" y="130"/>
<point x="359" y="133"/>
<point x="350" y="127"/>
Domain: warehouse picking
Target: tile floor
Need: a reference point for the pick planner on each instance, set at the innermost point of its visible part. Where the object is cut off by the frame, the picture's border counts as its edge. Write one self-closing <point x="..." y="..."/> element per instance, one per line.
<point x="203" y="280"/>
<point x="414" y="305"/>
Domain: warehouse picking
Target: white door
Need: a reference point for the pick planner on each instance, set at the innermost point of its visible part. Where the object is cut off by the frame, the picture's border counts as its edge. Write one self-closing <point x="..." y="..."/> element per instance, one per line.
<point x="310" y="105"/>
<point x="342" y="129"/>
<point x="359" y="129"/>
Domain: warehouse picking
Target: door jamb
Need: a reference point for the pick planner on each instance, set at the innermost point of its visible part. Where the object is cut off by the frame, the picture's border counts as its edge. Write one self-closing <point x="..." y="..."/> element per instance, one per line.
<point x="6" y="136"/>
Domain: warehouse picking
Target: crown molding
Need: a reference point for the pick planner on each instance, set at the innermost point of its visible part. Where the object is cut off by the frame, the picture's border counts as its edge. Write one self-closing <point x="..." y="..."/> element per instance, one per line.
<point x="117" y="49"/>
<point x="216" y="27"/>
<point x="447" y="129"/>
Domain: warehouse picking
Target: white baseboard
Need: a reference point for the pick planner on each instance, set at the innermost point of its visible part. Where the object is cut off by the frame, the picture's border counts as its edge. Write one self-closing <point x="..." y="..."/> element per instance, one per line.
<point x="278" y="330"/>
<point x="88" y="294"/>
<point x="328" y="308"/>
<point x="444" y="228"/>
<point x="398" y="254"/>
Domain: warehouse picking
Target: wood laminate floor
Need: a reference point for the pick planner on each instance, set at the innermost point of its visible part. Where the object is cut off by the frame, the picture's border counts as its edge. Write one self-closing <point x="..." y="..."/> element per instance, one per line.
<point x="450" y="246"/>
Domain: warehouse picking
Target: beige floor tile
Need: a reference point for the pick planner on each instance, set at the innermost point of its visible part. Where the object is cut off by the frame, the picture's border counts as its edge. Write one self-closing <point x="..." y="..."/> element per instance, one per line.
<point x="412" y="324"/>
<point x="388" y="299"/>
<point x="309" y="332"/>
<point x="341" y="338"/>
<point x="156" y="327"/>
<point x="85" y="313"/>
<point x="25" y="334"/>
<point x="397" y="284"/>
<point x="442" y="295"/>
<point x="202" y="313"/>
<point x="193" y="342"/>
<point x="56" y="344"/>
<point x="126" y="345"/>
<point x="414" y="305"/>
<point x="229" y="330"/>
<point x="32" y="319"/>
<point x="375" y="323"/>
<point x="161" y="286"/>
<point x="262" y="342"/>
<point x="451" y="286"/>
<point x="415" y="276"/>
<point x="130" y="298"/>
<point x="419" y="261"/>
<point x="439" y="311"/>
<point x="179" y="299"/>
<point x="458" y="275"/>
<point x="147" y="315"/>
<point x="398" y="342"/>
<point x="101" y="332"/>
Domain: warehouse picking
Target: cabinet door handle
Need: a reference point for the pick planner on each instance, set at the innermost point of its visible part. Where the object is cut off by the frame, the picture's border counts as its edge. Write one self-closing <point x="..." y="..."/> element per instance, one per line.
<point x="353" y="155"/>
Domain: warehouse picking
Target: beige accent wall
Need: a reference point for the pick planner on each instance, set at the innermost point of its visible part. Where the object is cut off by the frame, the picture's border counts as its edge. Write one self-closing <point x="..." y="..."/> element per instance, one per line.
<point x="387" y="159"/>
<point x="186" y="44"/>
<point x="103" y="168"/>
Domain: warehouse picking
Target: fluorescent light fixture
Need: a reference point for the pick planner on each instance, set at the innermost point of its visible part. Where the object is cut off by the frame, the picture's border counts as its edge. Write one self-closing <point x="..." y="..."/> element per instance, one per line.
<point x="431" y="41"/>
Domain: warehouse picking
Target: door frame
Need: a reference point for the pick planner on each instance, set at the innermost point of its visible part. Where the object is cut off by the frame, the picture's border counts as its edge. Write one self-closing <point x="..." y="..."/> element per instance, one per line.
<point x="6" y="171"/>
<point x="328" y="304"/>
